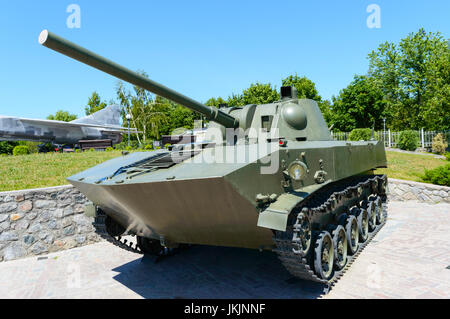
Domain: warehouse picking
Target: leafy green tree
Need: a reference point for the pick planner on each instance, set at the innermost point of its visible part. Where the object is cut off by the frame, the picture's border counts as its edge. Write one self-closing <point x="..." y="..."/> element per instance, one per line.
<point x="383" y="68"/>
<point x="95" y="104"/>
<point x="259" y="93"/>
<point x="177" y="117"/>
<point x="359" y="105"/>
<point x="62" y="116"/>
<point x="415" y="79"/>
<point x="216" y="101"/>
<point x="306" y="89"/>
<point x="256" y="93"/>
<point x="235" y="100"/>
<point x="147" y="114"/>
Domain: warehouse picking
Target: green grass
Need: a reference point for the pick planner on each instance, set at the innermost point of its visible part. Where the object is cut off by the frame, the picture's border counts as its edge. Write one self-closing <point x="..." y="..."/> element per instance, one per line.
<point x="45" y="170"/>
<point x="409" y="166"/>
<point x="52" y="169"/>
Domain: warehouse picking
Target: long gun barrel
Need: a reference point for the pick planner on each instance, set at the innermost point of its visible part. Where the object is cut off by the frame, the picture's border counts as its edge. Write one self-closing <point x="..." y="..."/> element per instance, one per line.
<point x="85" y="56"/>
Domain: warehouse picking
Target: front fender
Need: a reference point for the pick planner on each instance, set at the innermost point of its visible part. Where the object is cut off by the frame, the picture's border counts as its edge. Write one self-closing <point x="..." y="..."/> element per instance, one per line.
<point x="275" y="215"/>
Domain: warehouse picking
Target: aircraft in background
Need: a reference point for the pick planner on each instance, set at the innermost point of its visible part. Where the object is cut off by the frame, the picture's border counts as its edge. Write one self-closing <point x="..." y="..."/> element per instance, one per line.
<point x="101" y="125"/>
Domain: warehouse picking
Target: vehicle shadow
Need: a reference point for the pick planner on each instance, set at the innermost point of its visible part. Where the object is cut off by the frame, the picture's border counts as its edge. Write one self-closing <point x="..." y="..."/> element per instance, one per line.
<point x="214" y="272"/>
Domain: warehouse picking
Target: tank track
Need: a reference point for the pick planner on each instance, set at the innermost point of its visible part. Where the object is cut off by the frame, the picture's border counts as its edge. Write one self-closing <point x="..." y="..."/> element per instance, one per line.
<point x="325" y="202"/>
<point x="124" y="241"/>
<point x="119" y="241"/>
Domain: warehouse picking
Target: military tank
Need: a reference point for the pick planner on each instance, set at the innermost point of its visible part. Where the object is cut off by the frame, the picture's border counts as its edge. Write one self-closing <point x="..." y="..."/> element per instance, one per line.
<point x="312" y="200"/>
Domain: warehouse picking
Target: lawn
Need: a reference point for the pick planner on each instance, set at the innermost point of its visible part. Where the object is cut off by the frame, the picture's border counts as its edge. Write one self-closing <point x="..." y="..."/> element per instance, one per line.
<point x="409" y="166"/>
<point x="45" y="170"/>
<point x="51" y="169"/>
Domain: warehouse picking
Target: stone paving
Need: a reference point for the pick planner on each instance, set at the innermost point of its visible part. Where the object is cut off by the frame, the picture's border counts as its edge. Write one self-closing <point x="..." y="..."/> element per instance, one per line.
<point x="407" y="259"/>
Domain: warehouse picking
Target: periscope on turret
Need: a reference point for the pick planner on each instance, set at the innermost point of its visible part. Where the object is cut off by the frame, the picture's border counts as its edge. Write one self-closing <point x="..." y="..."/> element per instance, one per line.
<point x="316" y="209"/>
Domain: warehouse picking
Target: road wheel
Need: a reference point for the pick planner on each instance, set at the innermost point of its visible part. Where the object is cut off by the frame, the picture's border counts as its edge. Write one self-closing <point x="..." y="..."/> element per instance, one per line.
<point x="379" y="210"/>
<point x="351" y="229"/>
<point x="303" y="234"/>
<point x="324" y="255"/>
<point x="340" y="247"/>
<point x="372" y="215"/>
<point x="363" y="225"/>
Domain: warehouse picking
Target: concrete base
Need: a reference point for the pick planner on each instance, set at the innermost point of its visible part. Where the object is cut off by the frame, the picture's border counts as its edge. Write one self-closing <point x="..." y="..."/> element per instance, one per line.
<point x="407" y="259"/>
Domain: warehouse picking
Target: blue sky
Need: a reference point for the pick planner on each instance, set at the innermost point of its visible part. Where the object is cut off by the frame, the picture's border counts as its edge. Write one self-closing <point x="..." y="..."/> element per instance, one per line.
<point x="199" y="48"/>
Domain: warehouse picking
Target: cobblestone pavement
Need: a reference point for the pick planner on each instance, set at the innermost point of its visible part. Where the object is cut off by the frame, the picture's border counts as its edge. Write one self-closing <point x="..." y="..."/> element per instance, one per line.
<point x="407" y="259"/>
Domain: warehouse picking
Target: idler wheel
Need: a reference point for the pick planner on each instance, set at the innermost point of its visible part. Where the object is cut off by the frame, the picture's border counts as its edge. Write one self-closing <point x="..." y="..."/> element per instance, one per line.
<point x="324" y="255"/>
<point x="113" y="228"/>
<point x="371" y="211"/>
<point x="303" y="228"/>
<point x="351" y="229"/>
<point x="340" y="247"/>
<point x="150" y="246"/>
<point x="363" y="225"/>
<point x="379" y="210"/>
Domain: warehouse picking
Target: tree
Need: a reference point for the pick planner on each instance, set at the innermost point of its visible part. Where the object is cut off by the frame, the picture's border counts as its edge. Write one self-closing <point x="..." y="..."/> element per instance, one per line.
<point x="359" y="105"/>
<point x="94" y="104"/>
<point x="147" y="114"/>
<point x="216" y="102"/>
<point x="306" y="89"/>
<point x="383" y="68"/>
<point x="259" y="93"/>
<point x="178" y="117"/>
<point x="235" y="100"/>
<point x="415" y="79"/>
<point x="62" y="116"/>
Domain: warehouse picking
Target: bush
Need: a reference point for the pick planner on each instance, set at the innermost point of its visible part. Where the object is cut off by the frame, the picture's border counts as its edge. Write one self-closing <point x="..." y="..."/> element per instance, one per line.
<point x="439" y="176"/>
<point x="21" y="150"/>
<point x="360" y="134"/>
<point x="109" y="149"/>
<point x="408" y="141"/>
<point x="167" y="145"/>
<point x="77" y="150"/>
<point x="46" y="147"/>
<point x="7" y="147"/>
<point x="120" y="146"/>
<point x="32" y="146"/>
<point x="148" y="147"/>
<point x="439" y="144"/>
<point x="447" y="156"/>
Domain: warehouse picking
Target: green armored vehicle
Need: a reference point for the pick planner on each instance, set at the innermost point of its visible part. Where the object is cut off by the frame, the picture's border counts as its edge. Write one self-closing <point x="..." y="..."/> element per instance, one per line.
<point x="269" y="177"/>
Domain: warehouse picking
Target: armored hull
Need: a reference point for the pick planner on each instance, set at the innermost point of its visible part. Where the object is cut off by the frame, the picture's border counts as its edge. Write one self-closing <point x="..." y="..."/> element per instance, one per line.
<point x="212" y="203"/>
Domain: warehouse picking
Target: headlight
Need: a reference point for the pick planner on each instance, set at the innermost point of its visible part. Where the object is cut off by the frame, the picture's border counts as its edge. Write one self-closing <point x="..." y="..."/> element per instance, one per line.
<point x="297" y="170"/>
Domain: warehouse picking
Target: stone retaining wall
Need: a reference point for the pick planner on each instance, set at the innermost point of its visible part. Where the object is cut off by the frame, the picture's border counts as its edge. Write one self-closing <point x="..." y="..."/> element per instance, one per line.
<point x="39" y="221"/>
<point x="401" y="190"/>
